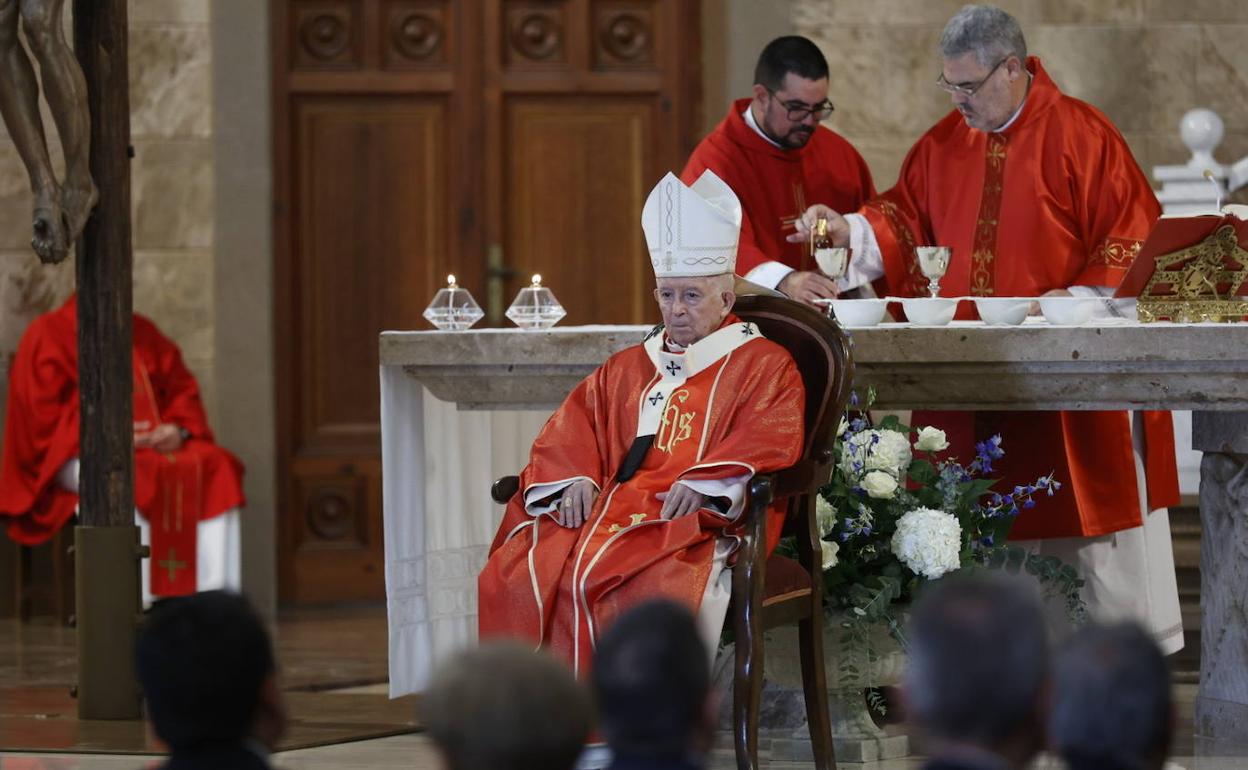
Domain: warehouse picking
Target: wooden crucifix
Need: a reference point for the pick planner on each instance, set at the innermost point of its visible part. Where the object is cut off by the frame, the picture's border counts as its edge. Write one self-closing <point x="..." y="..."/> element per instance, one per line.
<point x="90" y="105"/>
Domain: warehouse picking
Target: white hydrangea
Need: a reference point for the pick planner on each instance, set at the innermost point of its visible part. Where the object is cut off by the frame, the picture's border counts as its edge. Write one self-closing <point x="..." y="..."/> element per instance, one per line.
<point x="876" y="450"/>
<point x="928" y="542"/>
<point x="931" y="440"/>
<point x="825" y="516"/>
<point x="880" y="485"/>
<point x="830" y="551"/>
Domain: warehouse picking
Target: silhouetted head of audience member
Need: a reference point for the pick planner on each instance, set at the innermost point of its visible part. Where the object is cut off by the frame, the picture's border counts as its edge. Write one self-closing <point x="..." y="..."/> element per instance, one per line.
<point x="1111" y="706"/>
<point x="207" y="671"/>
<point x="978" y="669"/>
<point x="652" y="682"/>
<point x="503" y="706"/>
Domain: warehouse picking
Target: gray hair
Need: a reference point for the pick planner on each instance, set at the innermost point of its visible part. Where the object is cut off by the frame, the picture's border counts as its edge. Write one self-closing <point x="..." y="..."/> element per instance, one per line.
<point x="979" y="659"/>
<point x="986" y="31"/>
<point x="495" y="706"/>
<point x="1112" y="701"/>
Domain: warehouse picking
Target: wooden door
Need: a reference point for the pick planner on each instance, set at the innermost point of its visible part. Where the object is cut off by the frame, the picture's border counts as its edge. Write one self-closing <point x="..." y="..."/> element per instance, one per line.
<point x="415" y="138"/>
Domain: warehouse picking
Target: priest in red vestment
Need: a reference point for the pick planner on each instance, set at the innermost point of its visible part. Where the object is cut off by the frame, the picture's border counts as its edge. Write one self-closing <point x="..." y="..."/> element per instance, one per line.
<point x="182" y="478"/>
<point x="635" y="485"/>
<point x="778" y="159"/>
<point x="1037" y="194"/>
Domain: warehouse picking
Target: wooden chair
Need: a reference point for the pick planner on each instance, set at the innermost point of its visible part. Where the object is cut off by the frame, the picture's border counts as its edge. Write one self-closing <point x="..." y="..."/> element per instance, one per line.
<point x="775" y="591"/>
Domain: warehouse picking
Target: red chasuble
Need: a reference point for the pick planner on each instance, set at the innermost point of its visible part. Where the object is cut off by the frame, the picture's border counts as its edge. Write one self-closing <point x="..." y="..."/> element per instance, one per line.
<point x="776" y="185"/>
<point x="173" y="491"/>
<point x="737" y="415"/>
<point x="1054" y="200"/>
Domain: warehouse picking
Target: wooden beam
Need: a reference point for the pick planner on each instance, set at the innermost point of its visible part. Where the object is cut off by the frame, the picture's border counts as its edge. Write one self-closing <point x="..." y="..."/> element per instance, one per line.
<point x="107" y="573"/>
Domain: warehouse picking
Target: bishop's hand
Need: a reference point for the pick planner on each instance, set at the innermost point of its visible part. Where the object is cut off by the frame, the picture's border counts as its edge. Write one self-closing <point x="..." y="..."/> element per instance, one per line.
<point x="679" y="501"/>
<point x="838" y="227"/>
<point x="576" y="504"/>
<point x="807" y="286"/>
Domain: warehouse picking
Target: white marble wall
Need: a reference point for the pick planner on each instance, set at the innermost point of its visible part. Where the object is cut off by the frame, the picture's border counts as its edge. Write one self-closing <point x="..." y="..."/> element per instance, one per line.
<point x="172" y="189"/>
<point x="1144" y="62"/>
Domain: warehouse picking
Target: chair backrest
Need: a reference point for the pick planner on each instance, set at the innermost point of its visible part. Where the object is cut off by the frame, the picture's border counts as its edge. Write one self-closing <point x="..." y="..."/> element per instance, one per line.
<point x="822" y="353"/>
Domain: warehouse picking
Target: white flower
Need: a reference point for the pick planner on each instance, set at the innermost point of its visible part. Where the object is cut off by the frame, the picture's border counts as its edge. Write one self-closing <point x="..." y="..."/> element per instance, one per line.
<point x="928" y="542"/>
<point x="843" y="427"/>
<point x="876" y="450"/>
<point x="830" y="550"/>
<point x="879" y="485"/>
<point x="931" y="440"/>
<point x="825" y="516"/>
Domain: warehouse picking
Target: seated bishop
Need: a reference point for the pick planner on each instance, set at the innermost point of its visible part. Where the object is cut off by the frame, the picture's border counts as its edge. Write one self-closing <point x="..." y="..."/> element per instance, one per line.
<point x="186" y="488"/>
<point x="635" y="486"/>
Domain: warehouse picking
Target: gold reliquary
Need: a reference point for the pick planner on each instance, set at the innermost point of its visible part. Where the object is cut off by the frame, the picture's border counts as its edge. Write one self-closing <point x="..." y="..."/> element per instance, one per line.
<point x="1192" y="269"/>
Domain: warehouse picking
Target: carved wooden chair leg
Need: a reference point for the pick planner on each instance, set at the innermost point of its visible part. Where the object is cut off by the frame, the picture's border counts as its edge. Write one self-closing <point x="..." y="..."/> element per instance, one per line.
<point x="814" y="681"/>
<point x="747" y="692"/>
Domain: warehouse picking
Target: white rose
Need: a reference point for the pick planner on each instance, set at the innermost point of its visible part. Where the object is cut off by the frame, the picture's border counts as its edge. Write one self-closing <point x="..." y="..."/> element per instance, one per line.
<point x="929" y="542"/>
<point x="931" y="440"/>
<point x="830" y="550"/>
<point x="876" y="450"/>
<point x="879" y="485"/>
<point x="825" y="516"/>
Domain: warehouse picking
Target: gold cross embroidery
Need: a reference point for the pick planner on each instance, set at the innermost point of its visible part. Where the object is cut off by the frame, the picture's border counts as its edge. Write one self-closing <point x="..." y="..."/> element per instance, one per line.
<point x="172" y="564"/>
<point x="996" y="153"/>
<point x="637" y="518"/>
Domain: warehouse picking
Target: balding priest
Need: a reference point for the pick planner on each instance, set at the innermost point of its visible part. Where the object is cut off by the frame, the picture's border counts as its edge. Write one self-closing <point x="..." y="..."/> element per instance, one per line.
<point x="635" y="485"/>
<point x="1037" y="194"/>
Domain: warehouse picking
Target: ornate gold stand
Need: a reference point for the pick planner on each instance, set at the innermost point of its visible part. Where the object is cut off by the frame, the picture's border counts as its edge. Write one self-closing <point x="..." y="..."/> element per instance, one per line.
<point x="1199" y="283"/>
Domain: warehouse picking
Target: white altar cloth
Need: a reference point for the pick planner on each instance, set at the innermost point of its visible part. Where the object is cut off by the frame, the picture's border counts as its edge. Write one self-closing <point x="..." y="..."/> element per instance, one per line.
<point x="437" y="467"/>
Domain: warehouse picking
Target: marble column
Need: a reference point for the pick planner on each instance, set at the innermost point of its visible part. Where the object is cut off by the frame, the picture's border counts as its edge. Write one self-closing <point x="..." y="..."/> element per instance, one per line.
<point x="1222" y="701"/>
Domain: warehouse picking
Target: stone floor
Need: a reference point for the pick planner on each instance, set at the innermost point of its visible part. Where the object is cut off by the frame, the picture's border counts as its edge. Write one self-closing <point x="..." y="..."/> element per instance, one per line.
<point x="334" y="666"/>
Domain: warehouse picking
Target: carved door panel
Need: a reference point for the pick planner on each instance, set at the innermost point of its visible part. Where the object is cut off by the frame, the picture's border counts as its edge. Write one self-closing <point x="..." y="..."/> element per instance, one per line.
<point x="415" y="138"/>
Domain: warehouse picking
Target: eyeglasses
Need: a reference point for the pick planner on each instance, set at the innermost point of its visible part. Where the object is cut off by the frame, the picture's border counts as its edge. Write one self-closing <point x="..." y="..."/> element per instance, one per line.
<point x="968" y="89"/>
<point x="798" y="111"/>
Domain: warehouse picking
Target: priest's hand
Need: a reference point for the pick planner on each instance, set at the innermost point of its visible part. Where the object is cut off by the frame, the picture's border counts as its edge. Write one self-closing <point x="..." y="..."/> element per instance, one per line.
<point x="679" y="501"/>
<point x="165" y="437"/>
<point x="838" y="227"/>
<point x="807" y="286"/>
<point x="576" y="504"/>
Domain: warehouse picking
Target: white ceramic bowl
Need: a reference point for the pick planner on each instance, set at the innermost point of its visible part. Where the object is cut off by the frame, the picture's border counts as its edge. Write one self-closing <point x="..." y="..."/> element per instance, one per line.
<point x="1003" y="311"/>
<point x="930" y="311"/>
<point x="1068" y="311"/>
<point x="859" y="312"/>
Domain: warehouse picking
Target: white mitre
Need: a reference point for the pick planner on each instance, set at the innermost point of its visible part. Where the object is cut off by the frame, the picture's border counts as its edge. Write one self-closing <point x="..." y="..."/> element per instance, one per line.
<point x="692" y="231"/>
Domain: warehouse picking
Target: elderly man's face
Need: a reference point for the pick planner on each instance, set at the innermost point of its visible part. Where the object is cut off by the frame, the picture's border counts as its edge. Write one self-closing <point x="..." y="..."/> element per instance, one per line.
<point x="997" y="90"/>
<point x="693" y="307"/>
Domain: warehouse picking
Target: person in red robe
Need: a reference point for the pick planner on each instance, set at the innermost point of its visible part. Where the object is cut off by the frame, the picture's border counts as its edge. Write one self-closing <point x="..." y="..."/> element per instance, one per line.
<point x="181" y="476"/>
<point x="636" y="484"/>
<point x="778" y="159"/>
<point x="1037" y="194"/>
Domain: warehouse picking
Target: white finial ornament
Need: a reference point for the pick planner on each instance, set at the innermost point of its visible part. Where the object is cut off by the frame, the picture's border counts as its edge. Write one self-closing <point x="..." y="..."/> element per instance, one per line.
<point x="1202" y="130"/>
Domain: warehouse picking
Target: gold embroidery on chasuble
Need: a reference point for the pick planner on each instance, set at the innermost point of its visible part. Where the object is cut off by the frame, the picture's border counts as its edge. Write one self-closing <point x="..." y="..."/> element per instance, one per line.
<point x="983" y="251"/>
<point x="634" y="520"/>
<point x="1116" y="252"/>
<point x="676" y="425"/>
<point x="918" y="282"/>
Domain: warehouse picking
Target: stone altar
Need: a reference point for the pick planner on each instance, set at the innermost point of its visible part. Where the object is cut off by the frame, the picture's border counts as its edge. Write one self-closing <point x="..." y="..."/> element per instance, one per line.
<point x="459" y="409"/>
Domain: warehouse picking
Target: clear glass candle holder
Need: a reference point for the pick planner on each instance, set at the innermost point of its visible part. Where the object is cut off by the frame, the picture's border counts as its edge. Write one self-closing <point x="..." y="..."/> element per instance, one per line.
<point x="535" y="307"/>
<point x="453" y="308"/>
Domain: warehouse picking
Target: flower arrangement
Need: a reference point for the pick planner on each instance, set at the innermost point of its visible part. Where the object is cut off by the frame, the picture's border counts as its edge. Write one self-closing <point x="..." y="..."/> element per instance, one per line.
<point x="894" y="516"/>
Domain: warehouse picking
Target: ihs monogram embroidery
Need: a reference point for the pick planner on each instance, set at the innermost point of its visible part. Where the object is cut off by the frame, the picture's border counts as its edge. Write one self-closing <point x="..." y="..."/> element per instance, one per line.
<point x="676" y="426"/>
